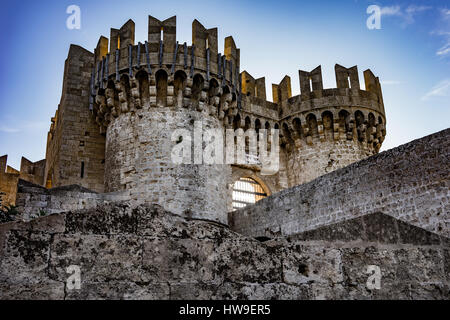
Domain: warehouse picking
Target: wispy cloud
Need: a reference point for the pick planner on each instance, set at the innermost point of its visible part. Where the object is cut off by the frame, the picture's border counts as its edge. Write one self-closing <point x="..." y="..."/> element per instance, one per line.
<point x="444" y="32"/>
<point x="391" y="11"/>
<point x="445" y="50"/>
<point x="407" y="14"/>
<point x="24" y="126"/>
<point x="8" y="129"/>
<point x="442" y="89"/>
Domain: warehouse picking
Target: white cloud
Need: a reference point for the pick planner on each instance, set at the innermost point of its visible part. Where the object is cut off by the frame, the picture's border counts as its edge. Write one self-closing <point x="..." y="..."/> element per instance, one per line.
<point x="413" y="9"/>
<point x="391" y="11"/>
<point x="8" y="129"/>
<point x="442" y="89"/>
<point x="444" y="31"/>
<point x="445" y="50"/>
<point x="407" y="15"/>
<point x="26" y="126"/>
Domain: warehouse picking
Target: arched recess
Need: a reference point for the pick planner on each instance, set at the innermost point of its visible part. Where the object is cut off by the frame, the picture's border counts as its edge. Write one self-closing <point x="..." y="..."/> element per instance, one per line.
<point x="125" y="82"/>
<point x="179" y="85"/>
<point x="225" y="92"/>
<point x="327" y="121"/>
<point x="257" y="125"/>
<point x="370" y="126"/>
<point x="257" y="128"/>
<point x="287" y="134"/>
<point x="311" y="120"/>
<point x="197" y="87"/>
<point x="144" y="92"/>
<point x="237" y="121"/>
<point x="359" y="119"/>
<point x="247" y="191"/>
<point x="344" y="121"/>
<point x="380" y="120"/>
<point x="111" y="92"/>
<point x="213" y="88"/>
<point x="161" y="88"/>
<point x="247" y="123"/>
<point x="298" y="127"/>
<point x="110" y="84"/>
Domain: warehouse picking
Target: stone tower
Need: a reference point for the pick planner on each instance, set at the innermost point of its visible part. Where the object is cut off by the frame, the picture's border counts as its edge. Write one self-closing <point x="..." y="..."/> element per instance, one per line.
<point x="327" y="129"/>
<point x="321" y="129"/>
<point x="143" y="92"/>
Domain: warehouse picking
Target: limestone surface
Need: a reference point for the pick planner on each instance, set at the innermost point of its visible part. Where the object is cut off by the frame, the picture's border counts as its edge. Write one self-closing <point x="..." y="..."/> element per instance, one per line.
<point x="145" y="252"/>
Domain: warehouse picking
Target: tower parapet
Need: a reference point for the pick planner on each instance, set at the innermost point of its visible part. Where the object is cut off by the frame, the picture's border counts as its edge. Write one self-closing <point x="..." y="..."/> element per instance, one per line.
<point x="163" y="72"/>
<point x="355" y="113"/>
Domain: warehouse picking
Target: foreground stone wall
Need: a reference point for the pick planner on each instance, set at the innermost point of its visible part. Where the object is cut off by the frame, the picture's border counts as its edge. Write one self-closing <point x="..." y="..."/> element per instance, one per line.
<point x="148" y="253"/>
<point x="410" y="182"/>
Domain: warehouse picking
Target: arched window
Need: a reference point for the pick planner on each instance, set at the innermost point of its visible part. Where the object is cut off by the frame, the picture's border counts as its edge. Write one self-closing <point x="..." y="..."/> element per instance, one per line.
<point x="247" y="191"/>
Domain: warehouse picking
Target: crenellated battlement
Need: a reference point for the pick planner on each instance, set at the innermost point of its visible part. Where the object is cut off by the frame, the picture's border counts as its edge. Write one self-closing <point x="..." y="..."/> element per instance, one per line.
<point x="163" y="72"/>
<point x="342" y="113"/>
<point x="317" y="114"/>
<point x="161" y="50"/>
<point x="346" y="93"/>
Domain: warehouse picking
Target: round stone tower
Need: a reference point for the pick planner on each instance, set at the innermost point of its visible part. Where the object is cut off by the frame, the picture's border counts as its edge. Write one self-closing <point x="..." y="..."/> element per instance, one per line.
<point x="327" y="129"/>
<point x="144" y="94"/>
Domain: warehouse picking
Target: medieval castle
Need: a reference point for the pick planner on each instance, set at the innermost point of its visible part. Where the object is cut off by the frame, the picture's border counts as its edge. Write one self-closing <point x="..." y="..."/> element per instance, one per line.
<point x="110" y="141"/>
<point x="111" y="132"/>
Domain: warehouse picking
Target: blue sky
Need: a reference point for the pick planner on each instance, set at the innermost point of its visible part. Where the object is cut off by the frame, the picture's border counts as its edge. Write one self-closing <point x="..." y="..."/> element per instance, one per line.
<point x="410" y="54"/>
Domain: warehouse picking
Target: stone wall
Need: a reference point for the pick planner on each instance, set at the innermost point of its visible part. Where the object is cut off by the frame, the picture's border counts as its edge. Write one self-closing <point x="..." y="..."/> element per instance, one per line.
<point x="34" y="200"/>
<point x="312" y="161"/>
<point x="148" y="253"/>
<point x="139" y="159"/>
<point x="410" y="182"/>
